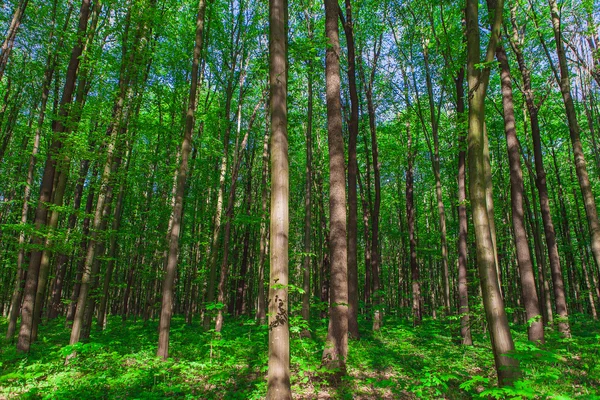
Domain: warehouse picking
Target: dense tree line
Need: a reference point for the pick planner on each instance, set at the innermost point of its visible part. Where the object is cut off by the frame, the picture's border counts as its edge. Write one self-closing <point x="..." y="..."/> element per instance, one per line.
<point x="422" y="159"/>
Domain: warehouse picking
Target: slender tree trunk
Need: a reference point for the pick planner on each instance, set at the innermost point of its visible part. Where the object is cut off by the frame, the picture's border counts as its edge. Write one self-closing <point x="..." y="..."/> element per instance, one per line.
<point x="463" y="252"/>
<point x="61" y="263"/>
<point x="352" y="171"/>
<point x="307" y="206"/>
<point x="278" y="383"/>
<point x="112" y="247"/>
<point x="46" y="187"/>
<point x="366" y="230"/>
<point x="219" y="210"/>
<point x="589" y="201"/>
<point x="18" y="288"/>
<point x="229" y="212"/>
<point x="186" y="146"/>
<point x="438" y="181"/>
<point x="261" y="313"/>
<point x="549" y="232"/>
<point x="120" y="117"/>
<point x="242" y="283"/>
<point x="507" y="368"/>
<point x="417" y="312"/>
<point x="52" y="224"/>
<point x="375" y="252"/>
<point x="336" y="346"/>
<point x="535" y="326"/>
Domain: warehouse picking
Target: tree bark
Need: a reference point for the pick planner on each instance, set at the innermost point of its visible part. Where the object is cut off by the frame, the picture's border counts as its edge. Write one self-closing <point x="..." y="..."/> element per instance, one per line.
<point x="434" y="117"/>
<point x="230" y="209"/>
<point x="47" y="185"/>
<point x="352" y="171"/>
<point x="463" y="252"/>
<point x="336" y="346"/>
<point x="307" y="206"/>
<point x="549" y="232"/>
<point x="507" y="368"/>
<point x="261" y="313"/>
<point x="186" y="146"/>
<point x="417" y="312"/>
<point x="535" y="326"/>
<point x="375" y="253"/>
<point x="278" y="383"/>
<point x="589" y="201"/>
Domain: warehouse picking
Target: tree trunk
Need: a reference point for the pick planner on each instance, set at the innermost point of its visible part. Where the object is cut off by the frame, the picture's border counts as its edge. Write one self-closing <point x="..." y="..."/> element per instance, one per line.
<point x="336" y="346"/>
<point x="438" y="182"/>
<point x="212" y="263"/>
<point x="186" y="146"/>
<point x="535" y="326"/>
<point x="18" y="288"/>
<point x="589" y="201"/>
<point x="463" y="252"/>
<point x="118" y="126"/>
<point x="375" y="253"/>
<point x="278" y="383"/>
<point x="352" y="171"/>
<point x="549" y="232"/>
<point x="261" y="313"/>
<point x="47" y="185"/>
<point x="417" y="312"/>
<point x="507" y="368"/>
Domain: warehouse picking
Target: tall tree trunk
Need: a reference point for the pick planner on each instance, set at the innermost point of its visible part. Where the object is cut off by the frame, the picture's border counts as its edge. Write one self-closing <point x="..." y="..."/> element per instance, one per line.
<point x="549" y="232"/>
<point x="463" y="252"/>
<point x="589" y="201"/>
<point x="242" y="282"/>
<point x="278" y="383"/>
<point x="308" y="206"/>
<point x="221" y="297"/>
<point x="186" y="146"/>
<point x="261" y="313"/>
<point x="336" y="347"/>
<point x="212" y="263"/>
<point x="18" y="289"/>
<point x="120" y="117"/>
<point x="47" y="185"/>
<point x="352" y="171"/>
<point x="507" y="368"/>
<point x="375" y="253"/>
<point x="417" y="312"/>
<point x="434" y="116"/>
<point x="535" y="326"/>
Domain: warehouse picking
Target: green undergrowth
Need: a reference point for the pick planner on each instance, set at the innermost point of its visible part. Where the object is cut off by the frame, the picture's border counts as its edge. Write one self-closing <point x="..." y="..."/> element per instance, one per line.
<point x="400" y="361"/>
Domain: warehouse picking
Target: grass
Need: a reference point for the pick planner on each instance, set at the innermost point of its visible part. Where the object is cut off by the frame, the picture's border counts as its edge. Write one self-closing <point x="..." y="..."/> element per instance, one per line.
<point x="400" y="361"/>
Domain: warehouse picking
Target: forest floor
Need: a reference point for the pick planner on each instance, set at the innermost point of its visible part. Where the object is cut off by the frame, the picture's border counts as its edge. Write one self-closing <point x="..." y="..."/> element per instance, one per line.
<point x="399" y="362"/>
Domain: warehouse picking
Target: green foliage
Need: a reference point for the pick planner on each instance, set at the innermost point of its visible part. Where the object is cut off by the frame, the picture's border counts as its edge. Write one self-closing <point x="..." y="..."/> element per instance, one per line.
<point x="400" y="361"/>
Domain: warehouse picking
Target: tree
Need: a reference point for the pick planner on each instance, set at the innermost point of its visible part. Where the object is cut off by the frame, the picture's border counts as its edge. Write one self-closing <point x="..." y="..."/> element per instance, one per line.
<point x="47" y="184"/>
<point x="507" y="368"/>
<point x="541" y="184"/>
<point x="589" y="201"/>
<point x="278" y="385"/>
<point x="336" y="346"/>
<point x="352" y="171"/>
<point x="529" y="293"/>
<point x="174" y="235"/>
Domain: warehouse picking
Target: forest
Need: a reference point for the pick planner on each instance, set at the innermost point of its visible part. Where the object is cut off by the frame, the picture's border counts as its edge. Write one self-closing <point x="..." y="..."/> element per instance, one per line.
<point x="357" y="199"/>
